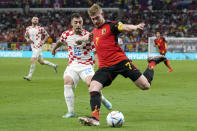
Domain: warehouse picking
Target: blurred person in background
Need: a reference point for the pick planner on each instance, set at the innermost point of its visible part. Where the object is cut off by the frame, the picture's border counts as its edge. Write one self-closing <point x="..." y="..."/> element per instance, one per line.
<point x="33" y="36"/>
<point x="161" y="43"/>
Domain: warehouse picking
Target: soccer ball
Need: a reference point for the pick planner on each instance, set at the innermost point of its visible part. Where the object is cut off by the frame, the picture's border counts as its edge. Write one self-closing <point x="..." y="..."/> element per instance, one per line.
<point x="115" y="119"/>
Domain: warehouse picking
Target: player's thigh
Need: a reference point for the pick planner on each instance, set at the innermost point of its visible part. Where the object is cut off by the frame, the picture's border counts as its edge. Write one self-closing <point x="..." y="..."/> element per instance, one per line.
<point x="104" y="76"/>
<point x="130" y="70"/>
<point x="86" y="74"/>
<point x="69" y="73"/>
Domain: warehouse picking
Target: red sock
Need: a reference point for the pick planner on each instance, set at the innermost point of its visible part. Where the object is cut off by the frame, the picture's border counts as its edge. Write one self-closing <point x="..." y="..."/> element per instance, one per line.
<point x="95" y="113"/>
<point x="167" y="63"/>
<point x="152" y="64"/>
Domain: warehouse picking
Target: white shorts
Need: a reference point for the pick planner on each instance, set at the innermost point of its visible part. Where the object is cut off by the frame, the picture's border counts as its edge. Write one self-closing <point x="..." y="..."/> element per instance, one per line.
<point x="77" y="71"/>
<point x="36" y="53"/>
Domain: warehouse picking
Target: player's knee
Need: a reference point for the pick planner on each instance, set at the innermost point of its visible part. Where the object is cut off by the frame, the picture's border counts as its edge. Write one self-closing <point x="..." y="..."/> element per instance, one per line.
<point x="145" y="86"/>
<point x="95" y="86"/>
<point x="68" y="83"/>
<point x="41" y="62"/>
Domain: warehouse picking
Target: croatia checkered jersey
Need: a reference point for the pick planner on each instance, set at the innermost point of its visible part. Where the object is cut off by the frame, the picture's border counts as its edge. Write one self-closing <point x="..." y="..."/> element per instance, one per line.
<point x="78" y="54"/>
<point x="35" y="34"/>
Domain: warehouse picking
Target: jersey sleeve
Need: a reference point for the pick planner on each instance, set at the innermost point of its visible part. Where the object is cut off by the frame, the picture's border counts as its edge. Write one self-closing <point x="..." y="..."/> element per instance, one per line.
<point x="63" y="37"/>
<point x="26" y="34"/>
<point x="43" y="31"/>
<point x="115" y="27"/>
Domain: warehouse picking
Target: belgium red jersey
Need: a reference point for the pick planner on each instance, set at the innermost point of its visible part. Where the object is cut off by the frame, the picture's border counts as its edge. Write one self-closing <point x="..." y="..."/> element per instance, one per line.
<point x="161" y="43"/>
<point x="106" y="43"/>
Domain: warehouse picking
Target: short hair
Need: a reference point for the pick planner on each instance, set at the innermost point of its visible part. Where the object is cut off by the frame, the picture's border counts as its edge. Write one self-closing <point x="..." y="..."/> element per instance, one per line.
<point x="94" y="9"/>
<point x="157" y="30"/>
<point x="75" y="15"/>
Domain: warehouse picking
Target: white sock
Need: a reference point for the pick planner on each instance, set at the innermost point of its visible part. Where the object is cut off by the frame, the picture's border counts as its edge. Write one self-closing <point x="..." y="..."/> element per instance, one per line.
<point x="49" y="63"/>
<point x="32" y="68"/>
<point x="69" y="97"/>
<point x="103" y="99"/>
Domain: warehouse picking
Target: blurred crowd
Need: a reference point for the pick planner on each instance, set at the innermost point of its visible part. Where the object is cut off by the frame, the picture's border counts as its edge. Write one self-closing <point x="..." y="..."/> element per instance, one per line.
<point x="144" y="4"/>
<point x="175" y="23"/>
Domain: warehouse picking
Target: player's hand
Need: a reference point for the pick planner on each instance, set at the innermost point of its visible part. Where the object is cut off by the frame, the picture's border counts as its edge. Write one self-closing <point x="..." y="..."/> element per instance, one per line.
<point x="30" y="41"/>
<point x="78" y="42"/>
<point x="140" y="26"/>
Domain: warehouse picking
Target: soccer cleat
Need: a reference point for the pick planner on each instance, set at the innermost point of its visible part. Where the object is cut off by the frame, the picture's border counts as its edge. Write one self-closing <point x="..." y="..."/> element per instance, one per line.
<point x="170" y="70"/>
<point x="69" y="115"/>
<point x="27" y="78"/>
<point x="55" y="68"/>
<point x="107" y="104"/>
<point x="156" y="59"/>
<point x="89" y="121"/>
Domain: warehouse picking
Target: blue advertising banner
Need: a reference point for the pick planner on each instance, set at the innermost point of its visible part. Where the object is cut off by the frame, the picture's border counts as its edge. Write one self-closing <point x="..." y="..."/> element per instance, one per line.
<point x="130" y="55"/>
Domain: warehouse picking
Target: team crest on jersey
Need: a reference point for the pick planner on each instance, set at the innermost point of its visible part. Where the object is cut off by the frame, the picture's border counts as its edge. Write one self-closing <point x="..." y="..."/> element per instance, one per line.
<point x="103" y="31"/>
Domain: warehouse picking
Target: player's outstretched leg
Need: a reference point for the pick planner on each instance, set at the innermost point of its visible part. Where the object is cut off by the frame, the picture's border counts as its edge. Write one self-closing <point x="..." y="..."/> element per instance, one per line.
<point x="167" y="63"/>
<point x="106" y="103"/>
<point x="45" y="62"/>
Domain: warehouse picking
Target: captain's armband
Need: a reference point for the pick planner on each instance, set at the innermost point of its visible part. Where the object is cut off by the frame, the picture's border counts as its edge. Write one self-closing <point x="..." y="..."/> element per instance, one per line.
<point x="120" y="27"/>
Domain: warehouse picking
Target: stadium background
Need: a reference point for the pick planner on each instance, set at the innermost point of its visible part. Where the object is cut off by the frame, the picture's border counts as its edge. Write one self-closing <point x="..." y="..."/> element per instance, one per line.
<point x="38" y="105"/>
<point x="174" y="18"/>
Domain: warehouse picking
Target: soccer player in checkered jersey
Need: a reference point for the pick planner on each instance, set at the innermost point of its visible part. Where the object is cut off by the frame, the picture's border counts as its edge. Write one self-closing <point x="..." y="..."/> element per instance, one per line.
<point x="80" y="63"/>
<point x="33" y="35"/>
<point x="112" y="60"/>
<point x="161" y="43"/>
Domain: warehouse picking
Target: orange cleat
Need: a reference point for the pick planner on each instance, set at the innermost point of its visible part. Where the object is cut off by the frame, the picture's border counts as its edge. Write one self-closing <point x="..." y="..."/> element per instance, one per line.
<point x="170" y="70"/>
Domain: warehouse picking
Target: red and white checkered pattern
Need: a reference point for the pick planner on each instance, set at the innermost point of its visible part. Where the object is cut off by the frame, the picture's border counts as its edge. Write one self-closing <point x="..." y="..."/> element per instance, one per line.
<point x="79" y="54"/>
<point x="35" y="34"/>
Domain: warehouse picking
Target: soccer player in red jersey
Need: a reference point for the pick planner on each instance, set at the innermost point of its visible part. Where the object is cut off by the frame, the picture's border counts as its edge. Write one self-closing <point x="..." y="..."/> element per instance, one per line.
<point x="160" y="42"/>
<point x="112" y="60"/>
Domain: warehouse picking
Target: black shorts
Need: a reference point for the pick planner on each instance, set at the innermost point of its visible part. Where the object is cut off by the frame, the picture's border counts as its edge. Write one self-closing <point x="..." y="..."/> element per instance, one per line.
<point x="105" y="75"/>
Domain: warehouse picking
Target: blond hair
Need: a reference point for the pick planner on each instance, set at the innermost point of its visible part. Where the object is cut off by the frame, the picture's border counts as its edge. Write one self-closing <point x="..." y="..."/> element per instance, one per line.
<point x="94" y="9"/>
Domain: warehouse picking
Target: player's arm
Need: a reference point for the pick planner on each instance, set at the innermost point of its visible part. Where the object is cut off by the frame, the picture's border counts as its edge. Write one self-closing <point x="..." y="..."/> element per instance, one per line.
<point x="57" y="45"/>
<point x="165" y="43"/>
<point x="46" y="35"/>
<point x="129" y="27"/>
<point x="27" y="38"/>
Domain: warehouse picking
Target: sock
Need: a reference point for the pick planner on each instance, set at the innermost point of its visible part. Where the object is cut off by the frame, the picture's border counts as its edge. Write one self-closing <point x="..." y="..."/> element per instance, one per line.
<point x="69" y="97"/>
<point x="103" y="99"/>
<point x="95" y="102"/>
<point x="49" y="63"/>
<point x="32" y="68"/>
<point x="149" y="73"/>
<point x="152" y="64"/>
<point x="167" y="63"/>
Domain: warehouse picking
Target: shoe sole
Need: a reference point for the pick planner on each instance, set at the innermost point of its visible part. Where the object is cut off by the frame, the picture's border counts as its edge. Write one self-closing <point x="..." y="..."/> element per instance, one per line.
<point x="27" y="79"/>
<point x="86" y="122"/>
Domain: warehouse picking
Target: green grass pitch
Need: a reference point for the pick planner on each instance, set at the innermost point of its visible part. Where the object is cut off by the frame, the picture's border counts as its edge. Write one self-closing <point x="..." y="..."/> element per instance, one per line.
<point x="170" y="104"/>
